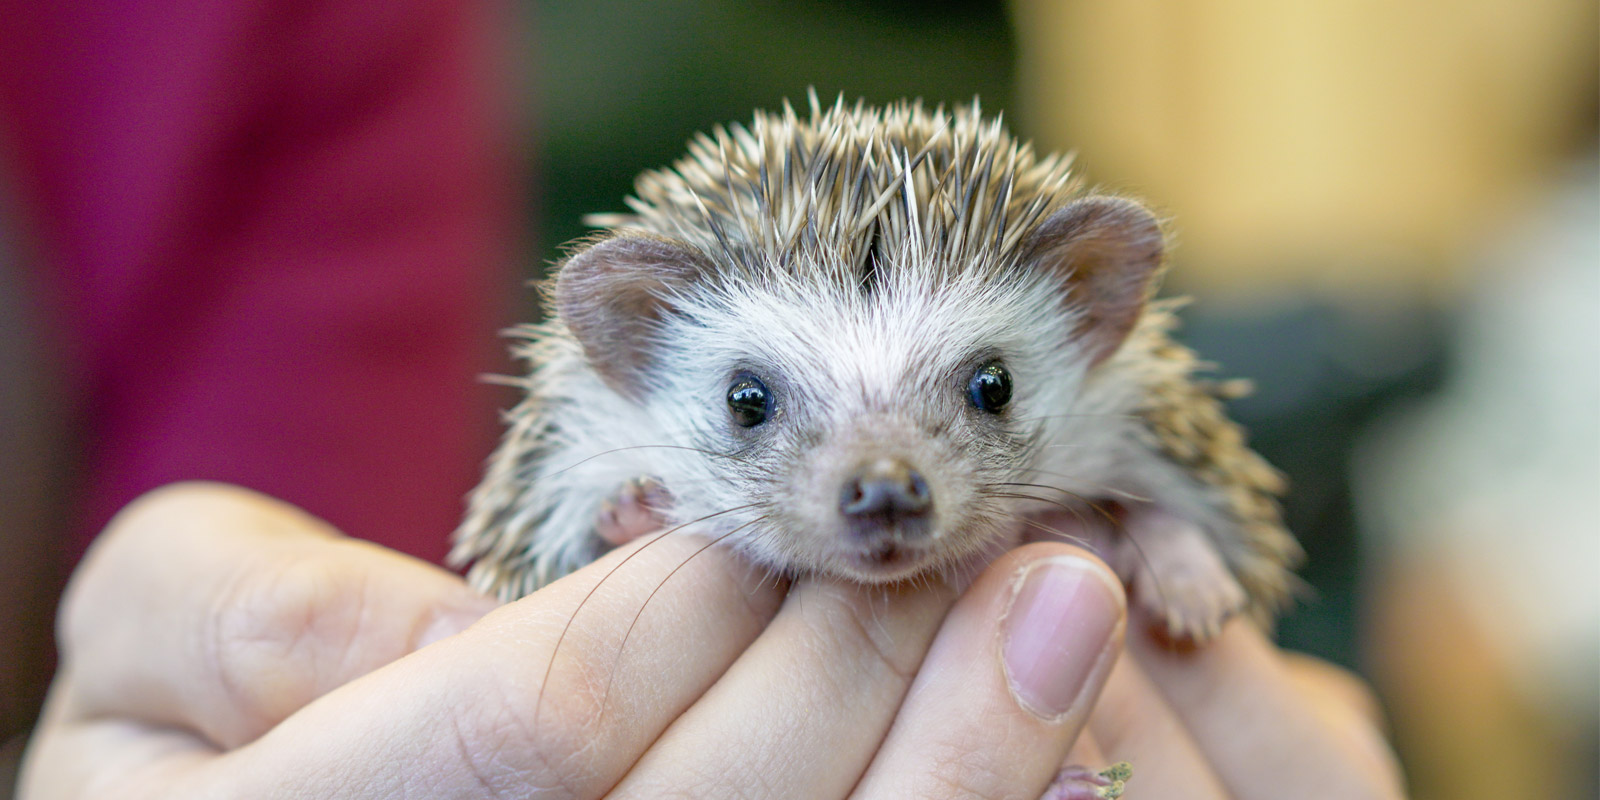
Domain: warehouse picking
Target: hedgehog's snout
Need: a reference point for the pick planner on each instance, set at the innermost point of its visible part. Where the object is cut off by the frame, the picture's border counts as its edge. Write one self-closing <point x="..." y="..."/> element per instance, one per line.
<point x="887" y="494"/>
<point x="887" y="508"/>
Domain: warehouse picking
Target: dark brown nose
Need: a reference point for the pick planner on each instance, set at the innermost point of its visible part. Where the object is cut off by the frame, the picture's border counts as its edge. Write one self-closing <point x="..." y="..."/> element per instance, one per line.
<point x="884" y="493"/>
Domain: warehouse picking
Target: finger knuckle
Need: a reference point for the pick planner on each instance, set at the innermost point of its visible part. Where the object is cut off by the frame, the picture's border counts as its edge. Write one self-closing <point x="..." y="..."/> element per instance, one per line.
<point x="273" y="631"/>
<point x="483" y="744"/>
<point x="867" y="635"/>
<point x="967" y="770"/>
<point x="510" y="745"/>
<point x="981" y="753"/>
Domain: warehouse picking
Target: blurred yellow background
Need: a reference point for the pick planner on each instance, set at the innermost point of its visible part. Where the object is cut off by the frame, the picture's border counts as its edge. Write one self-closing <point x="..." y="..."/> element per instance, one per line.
<point x="1344" y="147"/>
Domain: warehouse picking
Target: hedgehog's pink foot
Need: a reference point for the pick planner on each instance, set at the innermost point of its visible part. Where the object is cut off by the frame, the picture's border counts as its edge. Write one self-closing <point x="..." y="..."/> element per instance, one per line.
<point x="1177" y="575"/>
<point x="632" y="511"/>
<point x="1081" y="783"/>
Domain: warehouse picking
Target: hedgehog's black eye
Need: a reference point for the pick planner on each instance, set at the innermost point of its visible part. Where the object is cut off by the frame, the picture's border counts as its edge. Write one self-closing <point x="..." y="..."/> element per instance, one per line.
<point x="990" y="387"/>
<point x="749" y="400"/>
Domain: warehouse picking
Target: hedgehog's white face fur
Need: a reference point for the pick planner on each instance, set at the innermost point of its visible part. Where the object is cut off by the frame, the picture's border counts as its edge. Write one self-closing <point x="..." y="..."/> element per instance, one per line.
<point x="909" y="307"/>
<point x="860" y="375"/>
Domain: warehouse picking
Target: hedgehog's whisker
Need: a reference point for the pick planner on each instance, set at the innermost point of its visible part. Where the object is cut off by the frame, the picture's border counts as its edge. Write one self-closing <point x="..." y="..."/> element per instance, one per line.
<point x="1083" y="415"/>
<point x="1115" y="523"/>
<point x="1117" y="527"/>
<point x="1099" y="487"/>
<point x="549" y="669"/>
<point x="989" y="491"/>
<point x="1052" y="530"/>
<point x="615" y="450"/>
<point x="1155" y="577"/>
<point x="637" y="614"/>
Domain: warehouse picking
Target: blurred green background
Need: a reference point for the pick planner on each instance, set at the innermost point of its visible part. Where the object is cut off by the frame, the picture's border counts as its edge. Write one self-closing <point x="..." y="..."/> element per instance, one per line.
<point x="620" y="87"/>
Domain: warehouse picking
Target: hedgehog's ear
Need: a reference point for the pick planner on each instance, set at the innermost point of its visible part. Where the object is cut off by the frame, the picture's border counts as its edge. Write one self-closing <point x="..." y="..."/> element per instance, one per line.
<point x="1108" y="250"/>
<point x="612" y="293"/>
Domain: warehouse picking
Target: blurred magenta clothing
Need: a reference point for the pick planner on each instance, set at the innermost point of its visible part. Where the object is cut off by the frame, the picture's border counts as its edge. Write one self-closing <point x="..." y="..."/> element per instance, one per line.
<point x="276" y="238"/>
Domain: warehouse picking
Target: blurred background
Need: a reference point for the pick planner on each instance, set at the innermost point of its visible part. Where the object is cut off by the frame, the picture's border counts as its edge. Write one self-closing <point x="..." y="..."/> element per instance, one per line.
<point x="1389" y="214"/>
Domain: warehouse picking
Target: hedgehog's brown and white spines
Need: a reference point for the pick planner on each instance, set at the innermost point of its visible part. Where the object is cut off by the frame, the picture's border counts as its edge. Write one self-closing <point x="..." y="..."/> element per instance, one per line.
<point x="531" y="520"/>
<point x="846" y="251"/>
<point x="1188" y="424"/>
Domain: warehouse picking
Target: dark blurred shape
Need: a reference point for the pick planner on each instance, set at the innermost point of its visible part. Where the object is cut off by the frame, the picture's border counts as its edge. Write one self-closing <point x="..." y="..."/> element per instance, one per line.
<point x="1322" y="375"/>
<point x="36" y="453"/>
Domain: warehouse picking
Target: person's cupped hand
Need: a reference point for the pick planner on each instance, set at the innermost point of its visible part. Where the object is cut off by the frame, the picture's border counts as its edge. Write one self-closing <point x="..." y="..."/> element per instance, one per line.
<point x="217" y="643"/>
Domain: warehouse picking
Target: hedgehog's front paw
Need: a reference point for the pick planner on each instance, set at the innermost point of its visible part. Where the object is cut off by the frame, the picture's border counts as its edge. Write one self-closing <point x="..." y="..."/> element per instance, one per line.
<point x="1178" y="576"/>
<point x="633" y="511"/>
<point x="1081" y="783"/>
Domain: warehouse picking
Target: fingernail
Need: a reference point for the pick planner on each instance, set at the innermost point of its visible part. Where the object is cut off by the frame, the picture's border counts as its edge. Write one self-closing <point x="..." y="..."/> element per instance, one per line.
<point x="451" y="621"/>
<point x="1060" y="626"/>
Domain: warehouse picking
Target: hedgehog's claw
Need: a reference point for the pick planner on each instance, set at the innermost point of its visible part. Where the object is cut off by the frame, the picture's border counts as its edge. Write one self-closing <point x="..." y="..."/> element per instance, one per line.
<point x="1179" y="578"/>
<point x="632" y="512"/>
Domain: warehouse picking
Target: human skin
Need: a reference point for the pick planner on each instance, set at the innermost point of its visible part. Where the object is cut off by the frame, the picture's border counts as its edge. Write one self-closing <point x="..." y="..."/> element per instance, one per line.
<point x="218" y="643"/>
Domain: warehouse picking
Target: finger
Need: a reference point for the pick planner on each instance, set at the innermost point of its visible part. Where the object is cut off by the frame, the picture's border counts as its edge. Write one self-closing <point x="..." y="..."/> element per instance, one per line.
<point x="1252" y="719"/>
<point x="1133" y="723"/>
<point x="95" y="758"/>
<point x="219" y="610"/>
<point x="477" y="715"/>
<point x="462" y="718"/>
<point x="1336" y="690"/>
<point x="1008" y="683"/>
<point x="802" y="710"/>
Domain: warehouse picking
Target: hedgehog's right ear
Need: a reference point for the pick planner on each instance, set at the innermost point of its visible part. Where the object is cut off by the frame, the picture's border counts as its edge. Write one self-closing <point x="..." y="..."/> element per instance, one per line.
<point x="1108" y="252"/>
<point x="611" y="295"/>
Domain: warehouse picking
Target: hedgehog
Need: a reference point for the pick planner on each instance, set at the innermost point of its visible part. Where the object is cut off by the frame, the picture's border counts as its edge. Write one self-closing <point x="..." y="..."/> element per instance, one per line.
<point x="875" y="344"/>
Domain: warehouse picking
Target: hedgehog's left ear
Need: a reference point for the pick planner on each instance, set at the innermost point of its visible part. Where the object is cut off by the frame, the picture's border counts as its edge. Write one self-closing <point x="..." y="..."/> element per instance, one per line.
<point x="1108" y="251"/>
<point x="612" y="294"/>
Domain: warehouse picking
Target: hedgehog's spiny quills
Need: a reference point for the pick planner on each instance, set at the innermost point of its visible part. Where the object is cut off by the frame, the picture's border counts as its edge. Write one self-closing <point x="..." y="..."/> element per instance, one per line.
<point x="949" y="187"/>
<point x="821" y="210"/>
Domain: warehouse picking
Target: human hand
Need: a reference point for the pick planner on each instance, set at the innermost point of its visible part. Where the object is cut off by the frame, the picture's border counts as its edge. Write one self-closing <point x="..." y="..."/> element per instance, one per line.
<point x="217" y="643"/>
<point x="1238" y="718"/>
<point x="1235" y="718"/>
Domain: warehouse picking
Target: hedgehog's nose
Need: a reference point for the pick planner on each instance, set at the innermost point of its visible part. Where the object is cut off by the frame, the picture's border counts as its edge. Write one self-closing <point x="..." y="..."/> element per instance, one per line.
<point x="885" y="492"/>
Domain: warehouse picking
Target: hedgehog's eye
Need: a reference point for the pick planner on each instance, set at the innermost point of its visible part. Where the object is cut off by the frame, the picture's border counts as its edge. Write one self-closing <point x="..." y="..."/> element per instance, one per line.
<point x="749" y="400"/>
<point x="990" y="387"/>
